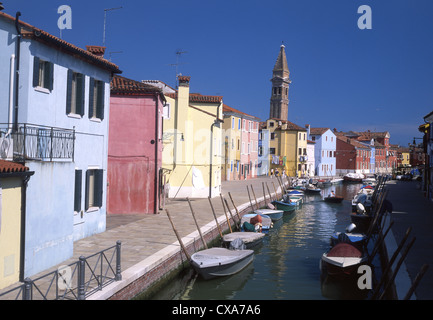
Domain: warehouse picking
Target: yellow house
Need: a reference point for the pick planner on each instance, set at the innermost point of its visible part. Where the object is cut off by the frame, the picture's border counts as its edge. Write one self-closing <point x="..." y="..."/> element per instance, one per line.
<point x="192" y="154"/>
<point x="287" y="147"/>
<point x="13" y="181"/>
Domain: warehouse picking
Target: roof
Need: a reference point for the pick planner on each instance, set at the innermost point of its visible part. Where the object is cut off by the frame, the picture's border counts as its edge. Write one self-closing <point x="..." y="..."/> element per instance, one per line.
<point x="318" y="131"/>
<point x="121" y="85"/>
<point x="11" y="167"/>
<point x="290" y="125"/>
<point x="353" y="142"/>
<point x="197" y="97"/>
<point x="227" y="109"/>
<point x="281" y="68"/>
<point x="30" y="32"/>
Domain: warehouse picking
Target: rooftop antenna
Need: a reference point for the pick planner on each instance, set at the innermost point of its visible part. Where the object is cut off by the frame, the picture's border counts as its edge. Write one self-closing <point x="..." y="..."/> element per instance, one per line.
<point x="111" y="52"/>
<point x="105" y="22"/>
<point x="178" y="53"/>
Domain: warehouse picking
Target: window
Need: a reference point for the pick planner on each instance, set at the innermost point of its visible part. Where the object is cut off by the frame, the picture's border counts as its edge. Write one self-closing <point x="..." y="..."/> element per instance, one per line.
<point x="272" y="136"/>
<point x="233" y="123"/>
<point x="94" y="179"/>
<point x="239" y="124"/>
<point x="271" y="150"/>
<point x="43" y="74"/>
<point x="166" y="111"/>
<point x="271" y="124"/>
<point x="77" y="193"/>
<point x="96" y="99"/>
<point x="75" y="93"/>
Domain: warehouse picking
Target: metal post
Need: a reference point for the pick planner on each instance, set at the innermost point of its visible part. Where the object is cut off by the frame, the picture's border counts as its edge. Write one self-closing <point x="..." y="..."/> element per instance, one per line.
<point x="27" y="293"/>
<point x="118" y="276"/>
<point x="81" y="278"/>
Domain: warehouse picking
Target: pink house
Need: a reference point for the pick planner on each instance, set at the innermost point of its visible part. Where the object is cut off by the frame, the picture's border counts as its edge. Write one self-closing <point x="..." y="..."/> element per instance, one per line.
<point x="134" y="147"/>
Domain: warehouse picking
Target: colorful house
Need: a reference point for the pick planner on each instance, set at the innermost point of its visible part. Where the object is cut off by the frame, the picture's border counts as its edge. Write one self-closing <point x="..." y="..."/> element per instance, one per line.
<point x="240" y="143"/>
<point x="263" y="155"/>
<point x="14" y="178"/>
<point x="324" y="151"/>
<point x="287" y="147"/>
<point x="56" y="102"/>
<point x="134" y="147"/>
<point x="352" y="156"/>
<point x="192" y="157"/>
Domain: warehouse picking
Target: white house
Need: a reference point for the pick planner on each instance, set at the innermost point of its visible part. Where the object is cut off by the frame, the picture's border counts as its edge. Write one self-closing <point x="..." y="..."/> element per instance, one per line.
<point x="324" y="151"/>
<point x="54" y="109"/>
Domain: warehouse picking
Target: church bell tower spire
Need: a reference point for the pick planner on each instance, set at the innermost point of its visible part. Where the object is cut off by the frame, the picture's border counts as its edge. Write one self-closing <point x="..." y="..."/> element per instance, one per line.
<point x="279" y="107"/>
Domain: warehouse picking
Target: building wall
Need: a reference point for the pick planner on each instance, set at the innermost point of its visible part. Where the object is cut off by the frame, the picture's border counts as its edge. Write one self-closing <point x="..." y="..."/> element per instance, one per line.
<point x="325" y="161"/>
<point x="10" y="231"/>
<point x="51" y="224"/>
<point x="132" y="176"/>
<point x="189" y="161"/>
<point x="263" y="159"/>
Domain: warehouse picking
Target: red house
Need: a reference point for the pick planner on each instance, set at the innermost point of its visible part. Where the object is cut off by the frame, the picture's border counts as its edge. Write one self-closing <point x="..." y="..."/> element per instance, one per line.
<point x="134" y="147"/>
<point x="352" y="156"/>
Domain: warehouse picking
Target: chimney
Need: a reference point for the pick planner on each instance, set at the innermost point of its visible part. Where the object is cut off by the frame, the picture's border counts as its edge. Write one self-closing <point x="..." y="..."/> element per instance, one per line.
<point x="183" y="81"/>
<point x="308" y="130"/>
<point x="96" y="50"/>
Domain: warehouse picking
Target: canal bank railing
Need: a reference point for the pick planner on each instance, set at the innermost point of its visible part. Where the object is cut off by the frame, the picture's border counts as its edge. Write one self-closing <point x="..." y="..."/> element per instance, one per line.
<point x="74" y="281"/>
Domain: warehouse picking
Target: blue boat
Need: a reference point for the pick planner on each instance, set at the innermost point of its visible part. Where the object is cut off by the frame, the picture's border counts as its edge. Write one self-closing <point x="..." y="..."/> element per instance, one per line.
<point x="286" y="207"/>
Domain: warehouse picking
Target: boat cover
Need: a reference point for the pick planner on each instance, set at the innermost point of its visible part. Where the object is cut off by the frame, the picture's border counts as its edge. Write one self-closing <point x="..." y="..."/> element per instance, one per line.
<point x="218" y="256"/>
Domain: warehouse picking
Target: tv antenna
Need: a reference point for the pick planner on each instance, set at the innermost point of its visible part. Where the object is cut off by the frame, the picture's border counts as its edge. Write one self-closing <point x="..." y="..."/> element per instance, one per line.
<point x="178" y="54"/>
<point x="105" y="22"/>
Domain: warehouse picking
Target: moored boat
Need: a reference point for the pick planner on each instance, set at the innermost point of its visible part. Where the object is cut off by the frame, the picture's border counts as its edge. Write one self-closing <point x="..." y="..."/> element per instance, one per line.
<point x="334" y="199"/>
<point x="284" y="206"/>
<point x="342" y="260"/>
<point x="312" y="189"/>
<point x="275" y="215"/>
<point x="220" y="262"/>
<point x="261" y="222"/>
<point x="250" y="239"/>
<point x="354" y="177"/>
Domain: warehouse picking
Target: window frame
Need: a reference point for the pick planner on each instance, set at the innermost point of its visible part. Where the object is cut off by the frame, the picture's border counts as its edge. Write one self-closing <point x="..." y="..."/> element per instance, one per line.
<point x="43" y="74"/>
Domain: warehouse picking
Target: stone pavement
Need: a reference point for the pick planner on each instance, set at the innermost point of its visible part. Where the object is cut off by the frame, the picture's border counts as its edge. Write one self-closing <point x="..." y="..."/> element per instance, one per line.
<point x="412" y="209"/>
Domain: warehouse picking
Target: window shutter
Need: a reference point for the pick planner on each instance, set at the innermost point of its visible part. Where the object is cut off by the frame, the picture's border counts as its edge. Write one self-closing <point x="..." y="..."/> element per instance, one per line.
<point x="77" y="195"/>
<point x="101" y="100"/>
<point x="99" y="175"/>
<point x="80" y="94"/>
<point x="35" y="72"/>
<point x="91" y="96"/>
<point x="69" y="92"/>
<point x="86" y="200"/>
<point x="49" y="75"/>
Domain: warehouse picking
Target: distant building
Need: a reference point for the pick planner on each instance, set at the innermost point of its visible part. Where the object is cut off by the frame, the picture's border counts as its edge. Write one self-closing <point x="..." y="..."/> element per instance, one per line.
<point x="324" y="151"/>
<point x="352" y="156"/>
<point x="263" y="154"/>
<point x="240" y="143"/>
<point x="279" y="105"/>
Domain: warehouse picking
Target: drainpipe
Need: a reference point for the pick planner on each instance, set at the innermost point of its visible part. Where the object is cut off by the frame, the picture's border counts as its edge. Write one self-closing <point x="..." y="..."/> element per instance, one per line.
<point x="216" y="121"/>
<point x="11" y="95"/>
<point x="156" y="185"/>
<point x="18" y="49"/>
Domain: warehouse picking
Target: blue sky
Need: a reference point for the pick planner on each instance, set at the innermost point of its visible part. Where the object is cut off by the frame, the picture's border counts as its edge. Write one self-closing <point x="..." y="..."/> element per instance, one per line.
<point x="342" y="77"/>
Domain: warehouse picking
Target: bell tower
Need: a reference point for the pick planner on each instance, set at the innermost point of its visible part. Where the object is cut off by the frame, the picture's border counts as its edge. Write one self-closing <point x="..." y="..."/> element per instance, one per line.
<point x="279" y="107"/>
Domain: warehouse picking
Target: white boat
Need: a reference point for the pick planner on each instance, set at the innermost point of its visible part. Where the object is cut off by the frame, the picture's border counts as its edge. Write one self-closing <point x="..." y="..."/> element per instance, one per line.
<point x="250" y="239"/>
<point x="337" y="180"/>
<point x="342" y="260"/>
<point x="275" y="215"/>
<point x="220" y="262"/>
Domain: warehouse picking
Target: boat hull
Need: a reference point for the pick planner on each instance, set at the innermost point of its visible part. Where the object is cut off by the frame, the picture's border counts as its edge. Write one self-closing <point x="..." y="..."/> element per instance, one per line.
<point x="275" y="215"/>
<point x="250" y="239"/>
<point x="342" y="261"/>
<point x="220" y="262"/>
<point x="334" y="199"/>
<point x="285" y="207"/>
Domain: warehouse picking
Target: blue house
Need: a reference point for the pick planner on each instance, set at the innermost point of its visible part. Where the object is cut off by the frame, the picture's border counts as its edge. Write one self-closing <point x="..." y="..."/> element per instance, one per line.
<point x="54" y="111"/>
<point x="324" y="150"/>
<point x="263" y="156"/>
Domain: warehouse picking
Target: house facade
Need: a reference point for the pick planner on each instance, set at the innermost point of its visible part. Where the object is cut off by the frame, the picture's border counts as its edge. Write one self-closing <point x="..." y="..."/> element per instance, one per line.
<point x="55" y="114"/>
<point x="427" y="176"/>
<point x="352" y="156"/>
<point x="263" y="154"/>
<point x="192" y="143"/>
<point x="135" y="147"/>
<point x="14" y="178"/>
<point x="324" y="151"/>
<point x="240" y="144"/>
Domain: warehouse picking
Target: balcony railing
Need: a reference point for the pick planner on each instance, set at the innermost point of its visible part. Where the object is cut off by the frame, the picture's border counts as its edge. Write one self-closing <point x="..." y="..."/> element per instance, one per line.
<point x="35" y="142"/>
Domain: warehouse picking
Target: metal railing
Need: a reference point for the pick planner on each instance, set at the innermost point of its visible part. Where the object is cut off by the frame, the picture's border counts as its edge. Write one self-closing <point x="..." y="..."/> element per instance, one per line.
<point x="36" y="142"/>
<point x="75" y="281"/>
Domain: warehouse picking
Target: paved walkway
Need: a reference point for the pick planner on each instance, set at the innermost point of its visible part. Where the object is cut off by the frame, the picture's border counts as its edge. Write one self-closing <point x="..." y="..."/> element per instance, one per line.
<point x="412" y="209"/>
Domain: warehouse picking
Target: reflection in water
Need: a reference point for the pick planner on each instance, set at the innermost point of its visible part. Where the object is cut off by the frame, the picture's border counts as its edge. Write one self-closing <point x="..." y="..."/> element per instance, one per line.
<point x="286" y="265"/>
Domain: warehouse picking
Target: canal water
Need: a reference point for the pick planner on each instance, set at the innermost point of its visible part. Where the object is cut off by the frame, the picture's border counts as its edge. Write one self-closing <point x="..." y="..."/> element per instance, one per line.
<point x="286" y="265"/>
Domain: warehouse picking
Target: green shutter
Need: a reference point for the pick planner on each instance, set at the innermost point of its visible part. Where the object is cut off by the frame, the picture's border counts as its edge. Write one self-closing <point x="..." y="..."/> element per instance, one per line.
<point x="99" y="178"/>
<point x="101" y="100"/>
<point x="86" y="198"/>
<point x="69" y="92"/>
<point x="77" y="195"/>
<point x="91" y="96"/>
<point x="49" y="75"/>
<point x="80" y="93"/>
<point x="35" y="72"/>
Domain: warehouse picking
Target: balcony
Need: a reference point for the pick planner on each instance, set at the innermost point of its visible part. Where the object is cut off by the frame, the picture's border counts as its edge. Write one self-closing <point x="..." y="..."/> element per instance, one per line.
<point x="36" y="143"/>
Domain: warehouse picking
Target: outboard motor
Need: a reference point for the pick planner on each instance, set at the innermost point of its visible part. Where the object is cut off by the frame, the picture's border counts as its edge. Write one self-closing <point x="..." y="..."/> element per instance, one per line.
<point x="351" y="227"/>
<point x="237" y="244"/>
<point x="360" y="209"/>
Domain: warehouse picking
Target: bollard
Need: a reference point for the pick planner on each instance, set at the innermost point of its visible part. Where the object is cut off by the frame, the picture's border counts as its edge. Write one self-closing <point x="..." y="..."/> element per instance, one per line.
<point x="81" y="295"/>
<point x="28" y="285"/>
<point x="118" y="276"/>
